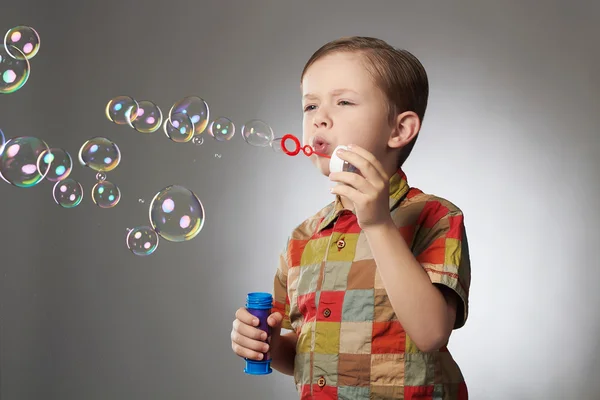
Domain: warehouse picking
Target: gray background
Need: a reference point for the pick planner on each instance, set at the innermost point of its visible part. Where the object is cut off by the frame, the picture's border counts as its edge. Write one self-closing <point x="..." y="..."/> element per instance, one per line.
<point x="512" y="124"/>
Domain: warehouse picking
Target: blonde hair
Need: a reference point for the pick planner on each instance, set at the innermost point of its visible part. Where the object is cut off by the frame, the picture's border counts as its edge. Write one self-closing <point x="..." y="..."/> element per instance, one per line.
<point x="398" y="73"/>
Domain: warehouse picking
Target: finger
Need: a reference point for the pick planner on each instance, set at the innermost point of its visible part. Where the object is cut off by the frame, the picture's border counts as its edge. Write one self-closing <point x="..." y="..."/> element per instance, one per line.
<point x="367" y="155"/>
<point x="371" y="160"/>
<point x="248" y="342"/>
<point x="246" y="352"/>
<point x="351" y="179"/>
<point x="364" y="166"/>
<point x="244" y="315"/>
<point x="275" y="320"/>
<point x="349" y="192"/>
<point x="247" y="347"/>
<point x="249" y="331"/>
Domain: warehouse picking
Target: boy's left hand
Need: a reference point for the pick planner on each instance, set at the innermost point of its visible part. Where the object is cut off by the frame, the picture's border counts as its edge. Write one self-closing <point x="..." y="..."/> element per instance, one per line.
<point x="368" y="191"/>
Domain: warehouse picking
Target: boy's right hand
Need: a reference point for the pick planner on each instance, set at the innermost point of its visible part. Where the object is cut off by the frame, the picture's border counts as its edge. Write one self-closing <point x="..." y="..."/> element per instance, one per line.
<point x="247" y="340"/>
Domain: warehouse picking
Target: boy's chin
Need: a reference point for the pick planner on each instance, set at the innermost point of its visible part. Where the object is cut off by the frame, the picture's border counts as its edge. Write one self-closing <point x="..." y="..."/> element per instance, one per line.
<point x="322" y="165"/>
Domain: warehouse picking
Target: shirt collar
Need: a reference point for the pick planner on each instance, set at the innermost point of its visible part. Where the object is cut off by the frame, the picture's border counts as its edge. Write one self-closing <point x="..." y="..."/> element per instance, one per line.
<point x="399" y="187"/>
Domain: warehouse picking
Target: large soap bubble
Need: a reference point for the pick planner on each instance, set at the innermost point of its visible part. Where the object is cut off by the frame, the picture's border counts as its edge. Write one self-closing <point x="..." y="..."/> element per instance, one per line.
<point x="19" y="161"/>
<point x="100" y="154"/>
<point x="176" y="214"/>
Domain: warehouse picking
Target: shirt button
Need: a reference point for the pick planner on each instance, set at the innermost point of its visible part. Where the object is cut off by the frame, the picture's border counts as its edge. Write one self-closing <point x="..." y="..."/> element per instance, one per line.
<point x="321" y="382"/>
<point x="341" y="244"/>
<point x="327" y="312"/>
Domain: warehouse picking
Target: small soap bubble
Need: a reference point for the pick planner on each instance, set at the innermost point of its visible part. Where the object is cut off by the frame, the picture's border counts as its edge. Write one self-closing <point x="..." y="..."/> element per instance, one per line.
<point x="100" y="154"/>
<point x="217" y="155"/>
<point x="141" y="201"/>
<point x="100" y="177"/>
<point x="68" y="193"/>
<point x="24" y="38"/>
<point x="198" y="140"/>
<point x="257" y="133"/>
<point x="179" y="128"/>
<point x="176" y="214"/>
<point x="122" y="110"/>
<point x="142" y="240"/>
<point x="14" y="71"/>
<point x="276" y="145"/>
<point x="222" y="129"/>
<point x="106" y="194"/>
<point x="19" y="161"/>
<point x="196" y="108"/>
<point x="56" y="164"/>
<point x="149" y="117"/>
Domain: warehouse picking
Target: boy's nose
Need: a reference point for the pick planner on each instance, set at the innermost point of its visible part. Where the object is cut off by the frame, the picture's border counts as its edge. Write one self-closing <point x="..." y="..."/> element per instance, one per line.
<point x="322" y="122"/>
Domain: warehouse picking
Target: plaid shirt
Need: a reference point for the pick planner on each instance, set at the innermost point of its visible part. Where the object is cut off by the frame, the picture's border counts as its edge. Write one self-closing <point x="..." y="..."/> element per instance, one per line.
<point x="350" y="342"/>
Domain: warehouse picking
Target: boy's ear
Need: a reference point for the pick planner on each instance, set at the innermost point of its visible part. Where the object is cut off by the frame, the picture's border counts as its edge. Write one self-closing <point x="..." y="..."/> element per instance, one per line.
<point x="405" y="127"/>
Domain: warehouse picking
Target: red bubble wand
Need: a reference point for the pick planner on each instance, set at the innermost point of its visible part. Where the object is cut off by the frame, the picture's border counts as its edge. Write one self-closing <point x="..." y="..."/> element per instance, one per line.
<point x="307" y="150"/>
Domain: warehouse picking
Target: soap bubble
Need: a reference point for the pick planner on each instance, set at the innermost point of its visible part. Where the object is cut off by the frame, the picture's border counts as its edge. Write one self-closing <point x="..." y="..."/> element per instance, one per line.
<point x="100" y="177"/>
<point x="56" y="164"/>
<point x="196" y="108"/>
<point x="276" y="145"/>
<point x="68" y="193"/>
<point x="19" y="161"/>
<point x="122" y="110"/>
<point x="142" y="241"/>
<point x="257" y="133"/>
<point x="14" y="71"/>
<point x="198" y="140"/>
<point x="100" y="154"/>
<point x="25" y="39"/>
<point x="149" y="117"/>
<point x="2" y="141"/>
<point x="222" y="129"/>
<point x="179" y="128"/>
<point x="106" y="194"/>
<point x="176" y="214"/>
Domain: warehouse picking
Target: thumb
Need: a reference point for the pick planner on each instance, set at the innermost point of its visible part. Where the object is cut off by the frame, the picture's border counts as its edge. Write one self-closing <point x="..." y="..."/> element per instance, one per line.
<point x="275" y="320"/>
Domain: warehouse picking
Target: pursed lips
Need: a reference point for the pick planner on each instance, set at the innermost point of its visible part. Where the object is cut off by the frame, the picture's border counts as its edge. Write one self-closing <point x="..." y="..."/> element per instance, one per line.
<point x="320" y="145"/>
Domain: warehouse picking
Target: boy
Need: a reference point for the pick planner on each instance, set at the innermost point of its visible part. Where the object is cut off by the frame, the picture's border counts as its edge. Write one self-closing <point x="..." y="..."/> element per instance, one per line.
<point x="372" y="285"/>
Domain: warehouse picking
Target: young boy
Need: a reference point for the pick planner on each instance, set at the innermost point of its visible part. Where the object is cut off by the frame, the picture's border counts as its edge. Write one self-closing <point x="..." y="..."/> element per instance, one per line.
<point x="372" y="285"/>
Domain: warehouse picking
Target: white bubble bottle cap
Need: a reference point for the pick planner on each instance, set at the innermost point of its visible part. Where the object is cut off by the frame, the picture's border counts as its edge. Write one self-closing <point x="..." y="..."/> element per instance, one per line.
<point x="336" y="164"/>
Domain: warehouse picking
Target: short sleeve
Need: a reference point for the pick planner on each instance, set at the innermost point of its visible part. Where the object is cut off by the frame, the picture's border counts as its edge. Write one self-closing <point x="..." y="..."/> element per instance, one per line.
<point x="443" y="251"/>
<point x="281" y="300"/>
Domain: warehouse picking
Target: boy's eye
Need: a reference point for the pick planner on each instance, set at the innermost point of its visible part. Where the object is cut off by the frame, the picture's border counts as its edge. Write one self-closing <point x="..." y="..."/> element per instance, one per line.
<point x="345" y="103"/>
<point x="308" y="108"/>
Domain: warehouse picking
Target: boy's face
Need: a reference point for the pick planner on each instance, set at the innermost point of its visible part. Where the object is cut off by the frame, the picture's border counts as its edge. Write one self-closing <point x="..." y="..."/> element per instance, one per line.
<point x="343" y="105"/>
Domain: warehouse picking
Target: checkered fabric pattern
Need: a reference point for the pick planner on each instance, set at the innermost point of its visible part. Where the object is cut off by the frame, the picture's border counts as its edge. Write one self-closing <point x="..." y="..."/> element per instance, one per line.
<point x="350" y="342"/>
